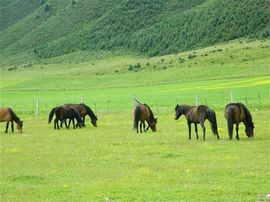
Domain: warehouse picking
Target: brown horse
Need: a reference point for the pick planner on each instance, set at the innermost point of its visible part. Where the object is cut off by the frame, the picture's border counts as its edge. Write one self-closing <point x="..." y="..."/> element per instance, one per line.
<point x="197" y="114"/>
<point x="8" y="115"/>
<point x="62" y="113"/>
<point x="143" y="113"/>
<point x="84" y="110"/>
<point x="237" y="113"/>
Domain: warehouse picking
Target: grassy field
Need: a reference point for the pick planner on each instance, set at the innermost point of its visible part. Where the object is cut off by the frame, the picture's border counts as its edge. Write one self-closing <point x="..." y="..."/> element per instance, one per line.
<point x="212" y="74"/>
<point x="112" y="162"/>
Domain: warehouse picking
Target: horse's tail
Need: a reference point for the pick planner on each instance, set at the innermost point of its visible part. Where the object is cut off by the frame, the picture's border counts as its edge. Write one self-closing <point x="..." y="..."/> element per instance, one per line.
<point x="211" y="115"/>
<point x="137" y="114"/>
<point x="229" y="114"/>
<point x="51" y="114"/>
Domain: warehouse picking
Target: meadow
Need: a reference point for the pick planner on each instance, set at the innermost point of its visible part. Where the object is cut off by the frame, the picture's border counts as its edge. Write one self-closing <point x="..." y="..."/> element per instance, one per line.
<point x="112" y="162"/>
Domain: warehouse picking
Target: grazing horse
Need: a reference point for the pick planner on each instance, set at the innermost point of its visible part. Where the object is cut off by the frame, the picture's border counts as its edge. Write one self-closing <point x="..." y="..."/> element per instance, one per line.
<point x="143" y="113"/>
<point x="236" y="113"/>
<point x="8" y="115"/>
<point x="197" y="114"/>
<point x="62" y="113"/>
<point x="84" y="110"/>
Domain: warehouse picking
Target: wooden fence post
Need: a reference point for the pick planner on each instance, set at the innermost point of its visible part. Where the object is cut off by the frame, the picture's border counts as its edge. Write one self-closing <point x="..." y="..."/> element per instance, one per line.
<point x="37" y="107"/>
<point x="231" y="96"/>
<point x="196" y="100"/>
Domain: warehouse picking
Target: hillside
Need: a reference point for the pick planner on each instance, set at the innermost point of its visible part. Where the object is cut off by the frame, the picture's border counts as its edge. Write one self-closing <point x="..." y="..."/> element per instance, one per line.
<point x="51" y="28"/>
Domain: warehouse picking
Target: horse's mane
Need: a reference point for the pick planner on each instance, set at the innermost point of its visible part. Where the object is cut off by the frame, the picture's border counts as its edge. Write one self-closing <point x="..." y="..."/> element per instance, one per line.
<point x="13" y="115"/>
<point x="181" y="107"/>
<point x="151" y="113"/>
<point x="248" y="114"/>
<point x="89" y="111"/>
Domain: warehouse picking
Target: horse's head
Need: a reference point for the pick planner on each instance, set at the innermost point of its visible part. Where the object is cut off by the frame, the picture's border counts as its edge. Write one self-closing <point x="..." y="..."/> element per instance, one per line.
<point x="153" y="125"/>
<point x="250" y="130"/>
<point x="94" y="121"/>
<point x="19" y="126"/>
<point x="178" y="112"/>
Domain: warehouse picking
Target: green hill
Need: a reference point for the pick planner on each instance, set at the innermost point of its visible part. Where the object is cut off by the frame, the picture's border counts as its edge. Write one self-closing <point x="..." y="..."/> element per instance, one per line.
<point x="53" y="27"/>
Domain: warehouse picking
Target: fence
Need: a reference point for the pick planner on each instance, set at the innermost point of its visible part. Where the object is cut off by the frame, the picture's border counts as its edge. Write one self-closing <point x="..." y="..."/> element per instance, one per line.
<point x="159" y="104"/>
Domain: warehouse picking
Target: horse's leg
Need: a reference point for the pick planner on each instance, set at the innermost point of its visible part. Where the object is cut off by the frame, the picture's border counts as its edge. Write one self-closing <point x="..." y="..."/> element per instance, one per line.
<point x="141" y="126"/>
<point x="6" y="131"/>
<point x="203" y="127"/>
<point x="12" y="126"/>
<point x="189" y="129"/>
<point x="237" y="129"/>
<point x="69" y="122"/>
<point x="196" y="130"/>
<point x="73" y="122"/>
<point x="61" y="123"/>
<point x="57" y="124"/>
<point x="67" y="126"/>
<point x="144" y="127"/>
<point x="54" y="123"/>
<point x="83" y="119"/>
<point x="230" y="129"/>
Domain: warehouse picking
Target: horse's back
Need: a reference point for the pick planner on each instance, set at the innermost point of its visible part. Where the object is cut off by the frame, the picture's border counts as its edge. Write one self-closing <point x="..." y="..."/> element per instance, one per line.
<point x="197" y="112"/>
<point x="81" y="108"/>
<point x="5" y="114"/>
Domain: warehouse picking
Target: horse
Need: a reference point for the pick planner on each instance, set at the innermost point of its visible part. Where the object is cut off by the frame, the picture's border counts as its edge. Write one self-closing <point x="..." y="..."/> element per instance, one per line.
<point x="84" y="110"/>
<point x="237" y="113"/>
<point x="142" y="113"/>
<point x="8" y="115"/>
<point x="62" y="113"/>
<point x="197" y="114"/>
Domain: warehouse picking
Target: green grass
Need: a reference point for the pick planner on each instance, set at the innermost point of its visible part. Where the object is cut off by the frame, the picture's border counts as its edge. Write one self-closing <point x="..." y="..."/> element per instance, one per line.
<point x="113" y="163"/>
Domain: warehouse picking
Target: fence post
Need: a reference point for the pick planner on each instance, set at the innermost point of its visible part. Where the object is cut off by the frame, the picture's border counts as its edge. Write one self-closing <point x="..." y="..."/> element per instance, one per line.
<point x="37" y="107"/>
<point x="82" y="99"/>
<point x="231" y="96"/>
<point x="196" y="100"/>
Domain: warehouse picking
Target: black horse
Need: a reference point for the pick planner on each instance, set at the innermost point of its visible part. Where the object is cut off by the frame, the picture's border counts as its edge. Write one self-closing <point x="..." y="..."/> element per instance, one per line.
<point x="62" y="113"/>
<point x="236" y="113"/>
<point x="143" y="113"/>
<point x="83" y="110"/>
<point x="197" y="114"/>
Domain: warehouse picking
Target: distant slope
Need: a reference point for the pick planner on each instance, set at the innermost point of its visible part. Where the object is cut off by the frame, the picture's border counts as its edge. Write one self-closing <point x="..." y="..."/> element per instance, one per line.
<point x="12" y="11"/>
<point x="153" y="27"/>
<point x="61" y="17"/>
